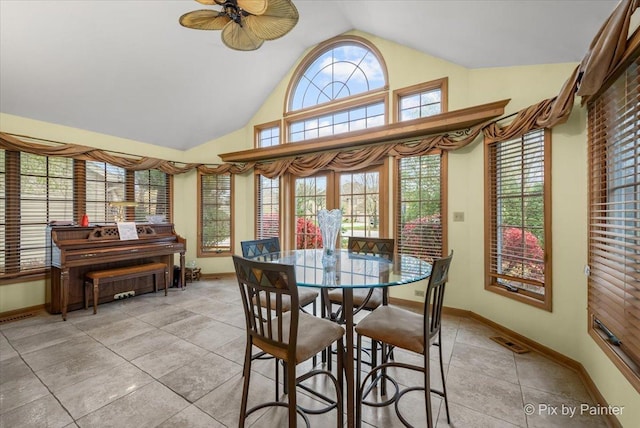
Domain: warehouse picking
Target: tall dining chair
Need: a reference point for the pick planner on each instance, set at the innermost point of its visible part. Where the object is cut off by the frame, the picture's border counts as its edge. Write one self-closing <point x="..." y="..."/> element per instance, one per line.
<point x="399" y="328"/>
<point x="259" y="249"/>
<point x="366" y="298"/>
<point x="363" y="298"/>
<point x="291" y="336"/>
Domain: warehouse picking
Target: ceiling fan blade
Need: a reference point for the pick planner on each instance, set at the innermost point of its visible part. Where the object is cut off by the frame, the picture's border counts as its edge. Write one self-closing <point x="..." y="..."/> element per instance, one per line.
<point x="279" y="18"/>
<point x="240" y="38"/>
<point x="204" y="20"/>
<point x="254" y="7"/>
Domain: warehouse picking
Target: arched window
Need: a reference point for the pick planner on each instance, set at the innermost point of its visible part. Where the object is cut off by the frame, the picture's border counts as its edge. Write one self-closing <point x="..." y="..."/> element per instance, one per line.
<point x="346" y="79"/>
<point x="339" y="70"/>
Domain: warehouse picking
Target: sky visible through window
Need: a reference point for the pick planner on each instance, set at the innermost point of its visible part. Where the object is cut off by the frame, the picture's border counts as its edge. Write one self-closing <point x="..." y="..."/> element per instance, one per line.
<point x="342" y="71"/>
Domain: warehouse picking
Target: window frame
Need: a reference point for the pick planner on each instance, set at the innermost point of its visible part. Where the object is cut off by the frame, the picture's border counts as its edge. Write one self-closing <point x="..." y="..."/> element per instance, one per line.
<point x="600" y="280"/>
<point x="321" y="49"/>
<point x="258" y="129"/>
<point x="333" y="199"/>
<point x="336" y="107"/>
<point x="258" y="229"/>
<point x="490" y="277"/>
<point x="201" y="251"/>
<point x="444" y="211"/>
<point x="442" y="84"/>
<point x="257" y="135"/>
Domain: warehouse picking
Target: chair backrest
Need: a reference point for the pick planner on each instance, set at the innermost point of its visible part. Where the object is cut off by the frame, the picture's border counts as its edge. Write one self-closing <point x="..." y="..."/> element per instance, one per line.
<point x="434" y="297"/>
<point x="260" y="247"/>
<point x="382" y="247"/>
<point x="263" y="286"/>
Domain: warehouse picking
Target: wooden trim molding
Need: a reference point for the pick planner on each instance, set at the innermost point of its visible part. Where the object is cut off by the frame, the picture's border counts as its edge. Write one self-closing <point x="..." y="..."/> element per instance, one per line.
<point x="441" y="123"/>
<point x="17" y="314"/>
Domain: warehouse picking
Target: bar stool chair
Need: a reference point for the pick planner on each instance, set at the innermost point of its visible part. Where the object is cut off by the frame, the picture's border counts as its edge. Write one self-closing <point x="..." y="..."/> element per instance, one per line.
<point x="396" y="327"/>
<point x="259" y="249"/>
<point x="290" y="336"/>
<point x="363" y="299"/>
<point x="367" y="299"/>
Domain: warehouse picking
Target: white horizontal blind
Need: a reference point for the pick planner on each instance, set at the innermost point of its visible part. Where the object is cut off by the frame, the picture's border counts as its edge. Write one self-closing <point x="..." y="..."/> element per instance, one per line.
<point x="215" y="213"/>
<point x="614" y="211"/>
<point x="104" y="183"/>
<point x="268" y="191"/>
<point x="152" y="194"/>
<point x="419" y="212"/>
<point x="268" y="209"/>
<point x="517" y="213"/>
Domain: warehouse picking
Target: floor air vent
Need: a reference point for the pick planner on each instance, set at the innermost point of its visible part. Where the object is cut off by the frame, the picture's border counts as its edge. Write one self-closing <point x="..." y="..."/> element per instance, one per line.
<point x="17" y="317"/>
<point x="512" y="345"/>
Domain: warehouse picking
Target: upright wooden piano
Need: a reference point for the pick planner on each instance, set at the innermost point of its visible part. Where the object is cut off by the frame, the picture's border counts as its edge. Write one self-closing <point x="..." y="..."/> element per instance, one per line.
<point x="72" y="251"/>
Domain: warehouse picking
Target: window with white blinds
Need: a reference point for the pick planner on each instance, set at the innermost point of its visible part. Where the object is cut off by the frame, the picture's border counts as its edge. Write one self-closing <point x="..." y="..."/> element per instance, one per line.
<point x="215" y="217"/>
<point x="517" y="239"/>
<point x="419" y="226"/>
<point x="267" y="189"/>
<point x="37" y="190"/>
<point x="104" y="183"/>
<point x="614" y="220"/>
<point x="152" y="194"/>
<point x="268" y="208"/>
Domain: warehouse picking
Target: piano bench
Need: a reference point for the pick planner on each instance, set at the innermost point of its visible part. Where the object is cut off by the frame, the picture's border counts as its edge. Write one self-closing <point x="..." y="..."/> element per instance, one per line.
<point x="95" y="278"/>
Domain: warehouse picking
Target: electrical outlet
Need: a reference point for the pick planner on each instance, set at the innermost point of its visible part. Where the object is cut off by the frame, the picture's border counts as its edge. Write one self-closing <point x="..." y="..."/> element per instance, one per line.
<point x="418" y="293"/>
<point x="458" y="216"/>
<point x="587" y="270"/>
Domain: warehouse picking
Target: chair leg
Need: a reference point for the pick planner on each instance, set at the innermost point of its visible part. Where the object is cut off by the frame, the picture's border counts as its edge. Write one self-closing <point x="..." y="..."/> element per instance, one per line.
<point x="290" y="374"/>
<point x="427" y="389"/>
<point x="444" y="384"/>
<point x="245" y="386"/>
<point x="340" y="378"/>
<point x="315" y="357"/>
<point x="285" y="375"/>
<point x="358" y="380"/>
<point x="277" y="362"/>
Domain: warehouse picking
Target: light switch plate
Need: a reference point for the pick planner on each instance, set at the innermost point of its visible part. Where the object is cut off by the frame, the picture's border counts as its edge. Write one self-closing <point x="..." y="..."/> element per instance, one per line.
<point x="458" y="216"/>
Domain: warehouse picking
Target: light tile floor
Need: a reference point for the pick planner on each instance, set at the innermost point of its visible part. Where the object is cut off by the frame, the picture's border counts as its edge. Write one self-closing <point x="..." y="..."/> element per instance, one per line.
<point x="176" y="361"/>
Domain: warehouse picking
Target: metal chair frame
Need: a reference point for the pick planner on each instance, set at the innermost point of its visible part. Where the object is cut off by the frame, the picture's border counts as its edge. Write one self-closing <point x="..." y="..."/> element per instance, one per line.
<point x="432" y="335"/>
<point x="263" y="286"/>
<point x="379" y="247"/>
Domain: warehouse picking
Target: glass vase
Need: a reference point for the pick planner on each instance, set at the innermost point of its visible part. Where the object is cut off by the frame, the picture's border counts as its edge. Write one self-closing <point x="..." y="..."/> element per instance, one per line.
<point x="329" y="223"/>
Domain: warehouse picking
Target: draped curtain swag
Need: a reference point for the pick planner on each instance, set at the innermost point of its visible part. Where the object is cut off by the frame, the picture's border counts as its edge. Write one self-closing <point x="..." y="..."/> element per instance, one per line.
<point x="605" y="53"/>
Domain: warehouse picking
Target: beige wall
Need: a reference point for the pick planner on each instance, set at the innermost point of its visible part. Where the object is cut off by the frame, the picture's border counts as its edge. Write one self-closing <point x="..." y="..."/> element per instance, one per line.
<point x="563" y="329"/>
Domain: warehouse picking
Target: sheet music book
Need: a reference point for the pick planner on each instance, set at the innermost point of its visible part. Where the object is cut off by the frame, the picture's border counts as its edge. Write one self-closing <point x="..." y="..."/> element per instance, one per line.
<point x="127" y="230"/>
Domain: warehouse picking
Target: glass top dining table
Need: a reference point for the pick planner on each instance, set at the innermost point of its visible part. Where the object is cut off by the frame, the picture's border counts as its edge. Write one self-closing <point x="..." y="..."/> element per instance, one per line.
<point x="346" y="272"/>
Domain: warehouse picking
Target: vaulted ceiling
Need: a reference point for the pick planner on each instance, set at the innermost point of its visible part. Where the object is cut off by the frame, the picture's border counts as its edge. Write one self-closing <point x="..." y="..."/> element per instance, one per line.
<point x="128" y="69"/>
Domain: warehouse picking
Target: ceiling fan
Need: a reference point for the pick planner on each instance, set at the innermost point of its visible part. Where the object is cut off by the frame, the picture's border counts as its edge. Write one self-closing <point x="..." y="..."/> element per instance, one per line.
<point x="245" y="24"/>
